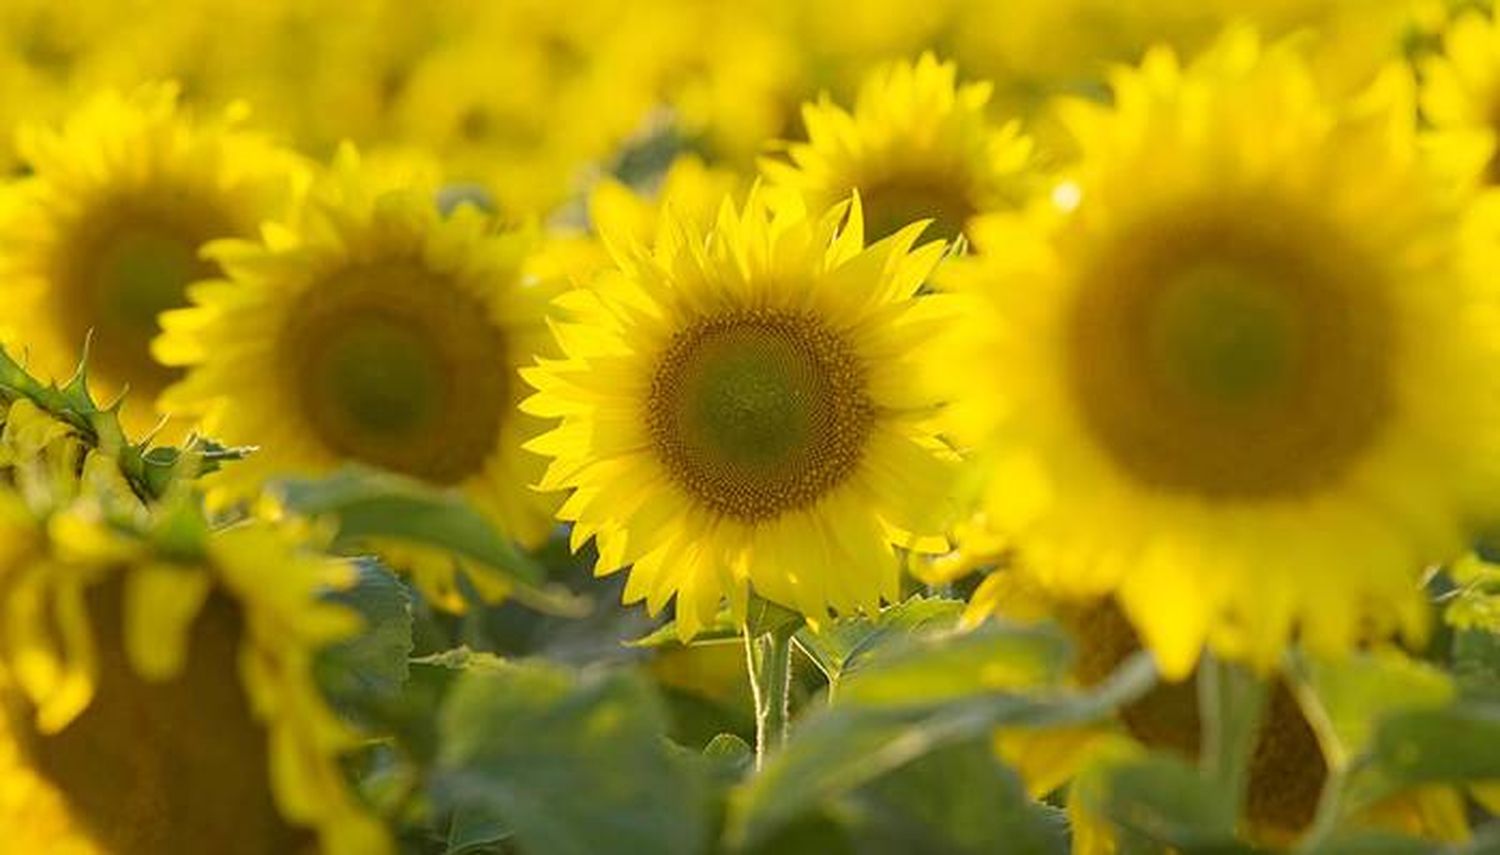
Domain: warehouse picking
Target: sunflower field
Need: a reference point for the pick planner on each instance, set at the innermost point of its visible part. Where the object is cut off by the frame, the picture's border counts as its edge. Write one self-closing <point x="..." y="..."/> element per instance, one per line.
<point x="770" y="427"/>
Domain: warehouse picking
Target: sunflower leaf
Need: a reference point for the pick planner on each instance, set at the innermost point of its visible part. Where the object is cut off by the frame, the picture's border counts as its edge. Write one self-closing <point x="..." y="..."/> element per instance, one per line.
<point x="369" y="672"/>
<point x="151" y="472"/>
<point x="959" y="799"/>
<point x="471" y="832"/>
<point x="951" y="665"/>
<point x="369" y="505"/>
<point x="1163" y="800"/>
<point x="839" y="649"/>
<point x="868" y="734"/>
<point x="1459" y="743"/>
<point x="570" y="762"/>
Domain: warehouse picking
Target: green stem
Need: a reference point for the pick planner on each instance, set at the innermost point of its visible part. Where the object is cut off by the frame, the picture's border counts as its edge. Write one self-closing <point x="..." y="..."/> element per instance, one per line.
<point x="1231" y="702"/>
<point x="768" y="658"/>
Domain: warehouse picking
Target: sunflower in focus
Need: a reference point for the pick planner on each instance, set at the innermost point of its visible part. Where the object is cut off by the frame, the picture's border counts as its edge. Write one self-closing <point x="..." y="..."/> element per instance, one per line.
<point x="743" y="409"/>
<point x="376" y="330"/>
<point x="917" y="146"/>
<point x="1210" y="383"/>
<point x="156" y="702"/>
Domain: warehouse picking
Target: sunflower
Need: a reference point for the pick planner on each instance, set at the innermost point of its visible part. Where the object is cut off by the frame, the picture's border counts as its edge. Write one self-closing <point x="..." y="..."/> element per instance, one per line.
<point x="152" y="700"/>
<point x="378" y="331"/>
<point x="689" y="188"/>
<point x="104" y="234"/>
<point x="1210" y="380"/>
<point x="741" y="410"/>
<point x="1461" y="91"/>
<point x="576" y="87"/>
<point x="917" y="146"/>
<point x="1290" y="760"/>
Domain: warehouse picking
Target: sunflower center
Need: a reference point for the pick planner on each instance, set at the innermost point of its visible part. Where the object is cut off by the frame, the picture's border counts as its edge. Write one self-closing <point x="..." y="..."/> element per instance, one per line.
<point x="1224" y="357"/>
<point x="759" y="412"/>
<point x="176" y="766"/>
<point x="399" y="368"/>
<point x="132" y="265"/>
<point x="897" y="201"/>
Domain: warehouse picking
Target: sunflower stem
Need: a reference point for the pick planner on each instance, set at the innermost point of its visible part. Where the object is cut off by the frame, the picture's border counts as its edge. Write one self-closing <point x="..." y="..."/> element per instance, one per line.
<point x="1231" y="701"/>
<point x="768" y="658"/>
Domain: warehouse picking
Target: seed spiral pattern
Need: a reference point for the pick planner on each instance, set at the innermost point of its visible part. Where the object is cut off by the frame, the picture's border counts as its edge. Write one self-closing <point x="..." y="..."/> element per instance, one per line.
<point x="759" y="412"/>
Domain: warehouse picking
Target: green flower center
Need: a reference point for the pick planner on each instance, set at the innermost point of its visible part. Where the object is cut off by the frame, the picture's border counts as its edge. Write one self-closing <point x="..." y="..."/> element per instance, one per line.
<point x="130" y="262"/>
<point x="399" y="368"/>
<point x="1219" y="356"/>
<point x="759" y="412"/>
<point x="382" y="375"/>
<point x="1223" y="337"/>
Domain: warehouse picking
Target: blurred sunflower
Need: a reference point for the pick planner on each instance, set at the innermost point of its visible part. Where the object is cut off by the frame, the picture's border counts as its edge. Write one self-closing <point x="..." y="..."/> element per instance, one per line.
<point x="104" y="234"/>
<point x="376" y="330"/>
<point x="1036" y="52"/>
<point x="917" y="146"/>
<point x="576" y="87"/>
<point x="740" y="411"/>
<point x="1461" y="91"/>
<point x="689" y="188"/>
<point x="156" y="702"/>
<point x="1210" y="380"/>
<point x="735" y="78"/>
<point x="1298" y="743"/>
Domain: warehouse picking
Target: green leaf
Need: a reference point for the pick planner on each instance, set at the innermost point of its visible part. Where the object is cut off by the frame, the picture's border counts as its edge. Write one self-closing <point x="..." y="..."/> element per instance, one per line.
<point x="163" y="466"/>
<point x="1476" y="663"/>
<point x="1231" y="704"/>
<point x="958" y="664"/>
<point x="838" y="649"/>
<point x="369" y="504"/>
<point x="370" y="507"/>
<point x="1164" y="800"/>
<point x="1454" y="744"/>
<point x="843" y="747"/>
<point x="959" y="800"/>
<point x="1376" y="843"/>
<point x="368" y="672"/>
<point x="461" y="658"/>
<point x="151" y="472"/>
<point x="572" y="763"/>
<point x="731" y="755"/>
<point x="472" y="831"/>
<point x="1354" y="693"/>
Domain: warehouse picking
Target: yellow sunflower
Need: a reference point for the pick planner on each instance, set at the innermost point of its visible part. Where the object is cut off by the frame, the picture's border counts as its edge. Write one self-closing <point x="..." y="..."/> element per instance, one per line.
<point x="153" y="702"/>
<point x="104" y="234"/>
<point x="379" y="331"/>
<point x="741" y="410"/>
<point x="1299" y="741"/>
<point x="917" y="146"/>
<point x="689" y="188"/>
<point x="1461" y="91"/>
<point x="1237" y="369"/>
<point x="575" y="87"/>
